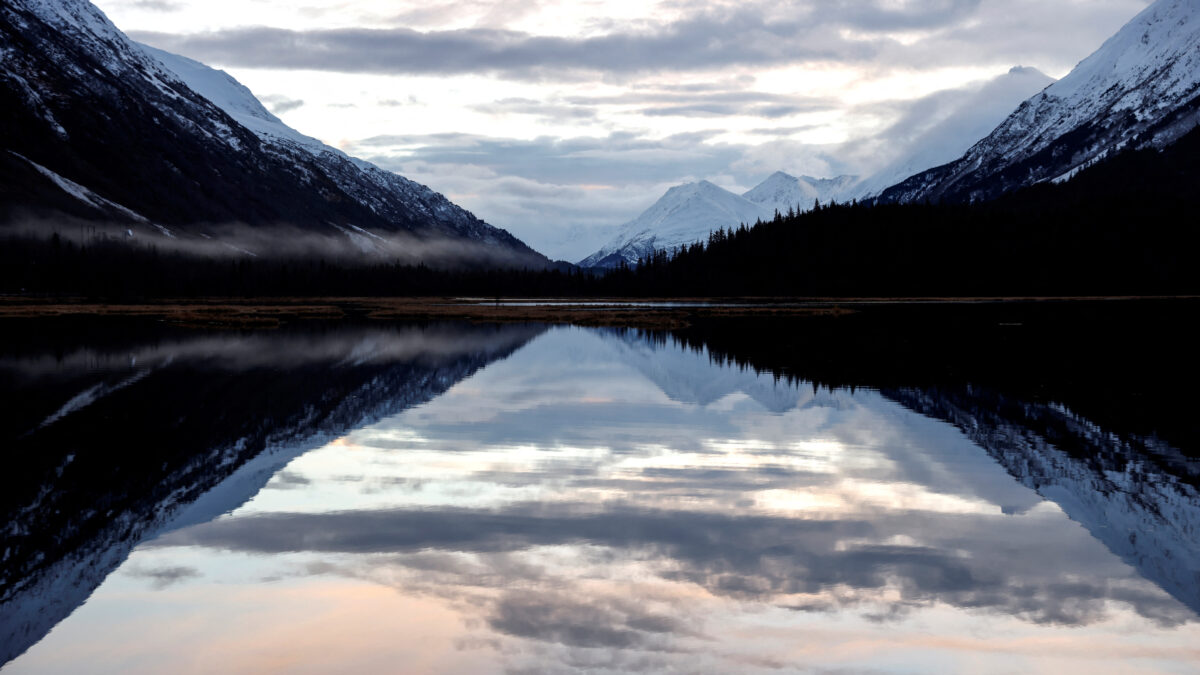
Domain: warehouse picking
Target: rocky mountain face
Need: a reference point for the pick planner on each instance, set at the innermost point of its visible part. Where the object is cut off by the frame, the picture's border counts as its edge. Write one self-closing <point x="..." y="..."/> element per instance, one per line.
<point x="98" y="128"/>
<point x="948" y="130"/>
<point x="1140" y="89"/>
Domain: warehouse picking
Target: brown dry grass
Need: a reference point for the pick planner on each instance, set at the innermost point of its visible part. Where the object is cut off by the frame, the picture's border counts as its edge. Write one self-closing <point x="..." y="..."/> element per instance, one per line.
<point x="267" y="314"/>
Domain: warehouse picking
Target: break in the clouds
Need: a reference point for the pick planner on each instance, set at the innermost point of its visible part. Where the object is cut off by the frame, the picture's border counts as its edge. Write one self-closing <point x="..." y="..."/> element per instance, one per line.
<point x="561" y="120"/>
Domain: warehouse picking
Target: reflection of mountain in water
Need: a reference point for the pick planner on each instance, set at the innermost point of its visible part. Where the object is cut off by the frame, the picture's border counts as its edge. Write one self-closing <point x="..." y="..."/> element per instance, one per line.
<point x="690" y="376"/>
<point x="205" y="422"/>
<point x="1137" y="496"/>
<point x="118" y="446"/>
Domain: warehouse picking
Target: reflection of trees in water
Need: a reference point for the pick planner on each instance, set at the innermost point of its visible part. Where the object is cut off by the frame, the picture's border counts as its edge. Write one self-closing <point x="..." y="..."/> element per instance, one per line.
<point x="204" y="407"/>
<point x="160" y="423"/>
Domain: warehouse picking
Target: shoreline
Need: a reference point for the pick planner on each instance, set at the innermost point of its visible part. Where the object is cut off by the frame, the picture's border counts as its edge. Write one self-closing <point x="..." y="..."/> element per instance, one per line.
<point x="651" y="313"/>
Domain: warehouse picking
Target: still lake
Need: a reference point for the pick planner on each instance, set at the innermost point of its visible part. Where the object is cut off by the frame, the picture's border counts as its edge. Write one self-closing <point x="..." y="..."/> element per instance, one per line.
<point x="457" y="498"/>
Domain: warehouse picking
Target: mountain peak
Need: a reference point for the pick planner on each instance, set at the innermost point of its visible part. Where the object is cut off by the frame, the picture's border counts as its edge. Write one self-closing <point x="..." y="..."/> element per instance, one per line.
<point x="685" y="214"/>
<point x="945" y="139"/>
<point x="783" y="192"/>
<point x="697" y="189"/>
<point x="104" y="128"/>
<point x="1025" y="70"/>
<point x="1140" y="87"/>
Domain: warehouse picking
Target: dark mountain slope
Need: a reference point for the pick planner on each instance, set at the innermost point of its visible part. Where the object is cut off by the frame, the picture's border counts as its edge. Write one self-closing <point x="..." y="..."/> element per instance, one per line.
<point x="93" y="126"/>
<point x="110" y="444"/>
<point x="1125" y="226"/>
<point x="1141" y="89"/>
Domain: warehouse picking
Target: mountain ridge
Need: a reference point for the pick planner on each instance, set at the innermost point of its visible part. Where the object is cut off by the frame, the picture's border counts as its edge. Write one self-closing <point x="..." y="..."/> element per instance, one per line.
<point x="1141" y="88"/>
<point x="83" y="105"/>
<point x="687" y="213"/>
<point x="963" y="117"/>
<point x="953" y="134"/>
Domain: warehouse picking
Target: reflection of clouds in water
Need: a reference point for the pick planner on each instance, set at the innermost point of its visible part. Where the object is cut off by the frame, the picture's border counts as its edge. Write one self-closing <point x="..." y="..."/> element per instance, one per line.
<point x="615" y="622"/>
<point x="287" y="480"/>
<point x="162" y="577"/>
<point x="962" y="560"/>
<point x="843" y="503"/>
<point x="571" y="515"/>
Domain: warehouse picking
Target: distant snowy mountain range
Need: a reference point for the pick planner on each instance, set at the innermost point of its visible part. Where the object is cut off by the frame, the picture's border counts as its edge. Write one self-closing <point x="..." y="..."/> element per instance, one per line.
<point x="1140" y="89"/>
<point x="102" y="129"/>
<point x="687" y="213"/>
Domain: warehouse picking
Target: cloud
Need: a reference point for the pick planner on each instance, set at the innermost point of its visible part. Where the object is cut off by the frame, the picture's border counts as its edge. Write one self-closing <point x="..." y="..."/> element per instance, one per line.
<point x="563" y="196"/>
<point x="156" y="5"/>
<point x="484" y="12"/>
<point x="940" y="127"/>
<point x="581" y="622"/>
<point x="288" y="480"/>
<point x="548" y="111"/>
<point x="567" y="196"/>
<point x="782" y="131"/>
<point x="747" y="104"/>
<point x="745" y="557"/>
<point x="280" y="104"/>
<point x="705" y="37"/>
<point x="700" y="43"/>
<point x="608" y="153"/>
<point x="163" y="577"/>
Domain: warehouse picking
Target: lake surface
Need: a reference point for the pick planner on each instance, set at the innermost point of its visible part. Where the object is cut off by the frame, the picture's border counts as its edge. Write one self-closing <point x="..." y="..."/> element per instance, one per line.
<point x="458" y="498"/>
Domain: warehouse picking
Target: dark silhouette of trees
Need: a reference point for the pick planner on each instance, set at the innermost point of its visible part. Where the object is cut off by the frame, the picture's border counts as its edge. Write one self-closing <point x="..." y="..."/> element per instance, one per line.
<point x="1125" y="226"/>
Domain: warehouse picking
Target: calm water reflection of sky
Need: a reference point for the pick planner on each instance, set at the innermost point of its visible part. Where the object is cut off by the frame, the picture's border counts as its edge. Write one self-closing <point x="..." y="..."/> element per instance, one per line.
<point x="597" y="503"/>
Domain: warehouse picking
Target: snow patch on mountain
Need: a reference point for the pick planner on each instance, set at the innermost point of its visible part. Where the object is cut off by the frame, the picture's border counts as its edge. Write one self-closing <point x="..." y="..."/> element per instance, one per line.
<point x="233" y="97"/>
<point x="956" y="126"/>
<point x="782" y="192"/>
<point x="1141" y="88"/>
<point x="1116" y="486"/>
<point x="685" y="214"/>
<point x="81" y="193"/>
<point x="690" y="377"/>
<point x="373" y="186"/>
<point x="688" y="213"/>
<point x="180" y="143"/>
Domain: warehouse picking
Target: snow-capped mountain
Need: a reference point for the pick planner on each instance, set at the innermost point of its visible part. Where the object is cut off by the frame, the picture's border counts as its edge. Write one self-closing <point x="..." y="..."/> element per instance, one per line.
<point x="685" y="214"/>
<point x="781" y="191"/>
<point x="688" y="213"/>
<point x="103" y="129"/>
<point x="1140" y="89"/>
<point x="959" y="122"/>
<point x="955" y="125"/>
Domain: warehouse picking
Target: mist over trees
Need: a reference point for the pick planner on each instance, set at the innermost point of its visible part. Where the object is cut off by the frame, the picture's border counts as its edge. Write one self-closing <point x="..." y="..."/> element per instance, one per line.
<point x="1125" y="226"/>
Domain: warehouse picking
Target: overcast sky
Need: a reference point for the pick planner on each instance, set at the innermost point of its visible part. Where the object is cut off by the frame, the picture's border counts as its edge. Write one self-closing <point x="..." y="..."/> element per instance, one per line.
<point x="553" y="118"/>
